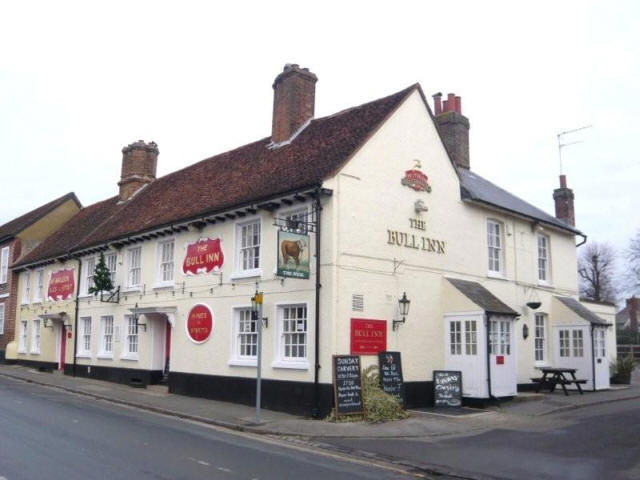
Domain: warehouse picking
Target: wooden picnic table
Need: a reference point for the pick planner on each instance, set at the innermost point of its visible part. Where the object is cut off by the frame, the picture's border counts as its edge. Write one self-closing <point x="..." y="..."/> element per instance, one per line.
<point x="552" y="377"/>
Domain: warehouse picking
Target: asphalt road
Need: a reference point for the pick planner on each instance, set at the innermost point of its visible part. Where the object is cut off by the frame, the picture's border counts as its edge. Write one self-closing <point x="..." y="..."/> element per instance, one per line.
<point x="47" y="434"/>
<point x="598" y="442"/>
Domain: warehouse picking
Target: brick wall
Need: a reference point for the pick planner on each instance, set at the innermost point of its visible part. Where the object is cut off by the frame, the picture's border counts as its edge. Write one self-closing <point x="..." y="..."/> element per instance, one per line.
<point x="10" y="302"/>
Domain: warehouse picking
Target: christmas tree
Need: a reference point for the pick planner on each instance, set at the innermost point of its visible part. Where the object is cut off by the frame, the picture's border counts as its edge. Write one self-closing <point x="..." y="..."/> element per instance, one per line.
<point x="101" y="277"/>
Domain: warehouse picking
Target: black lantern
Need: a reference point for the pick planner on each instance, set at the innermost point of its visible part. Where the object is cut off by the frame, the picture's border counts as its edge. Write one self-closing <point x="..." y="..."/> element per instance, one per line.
<point x="403" y="303"/>
<point x="525" y="331"/>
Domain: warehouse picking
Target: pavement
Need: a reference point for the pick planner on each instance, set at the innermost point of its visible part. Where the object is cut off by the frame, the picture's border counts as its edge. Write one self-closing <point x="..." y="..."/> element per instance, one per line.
<point x="528" y="408"/>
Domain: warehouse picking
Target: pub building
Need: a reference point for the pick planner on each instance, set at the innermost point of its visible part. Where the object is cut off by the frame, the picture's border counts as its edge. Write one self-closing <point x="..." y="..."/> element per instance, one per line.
<point x="364" y="231"/>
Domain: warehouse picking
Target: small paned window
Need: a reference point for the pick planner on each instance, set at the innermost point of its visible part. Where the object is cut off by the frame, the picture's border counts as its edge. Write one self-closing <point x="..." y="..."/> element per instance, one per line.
<point x="494" y="243"/>
<point x="106" y="340"/>
<point x="578" y="350"/>
<point x="134" y="276"/>
<point x="89" y="275"/>
<point x="540" y="337"/>
<point x="22" y="342"/>
<point x="294" y="332"/>
<point x="37" y="294"/>
<point x="35" y="336"/>
<point x="247" y="334"/>
<point x="112" y="260"/>
<point x="543" y="258"/>
<point x="455" y="337"/>
<point x="4" y="264"/>
<point x="470" y="337"/>
<point x="166" y="262"/>
<point x="26" y="289"/>
<point x="505" y="338"/>
<point x="1" y="318"/>
<point x="564" y="343"/>
<point x="85" y="336"/>
<point x="249" y="253"/>
<point x="132" y="335"/>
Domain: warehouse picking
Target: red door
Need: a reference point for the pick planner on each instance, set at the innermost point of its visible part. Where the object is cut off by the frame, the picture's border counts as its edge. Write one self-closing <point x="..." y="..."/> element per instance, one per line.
<point x="63" y="346"/>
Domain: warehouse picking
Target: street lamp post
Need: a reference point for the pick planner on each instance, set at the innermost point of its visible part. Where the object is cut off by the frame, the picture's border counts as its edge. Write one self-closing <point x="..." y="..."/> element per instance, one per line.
<point x="256" y="314"/>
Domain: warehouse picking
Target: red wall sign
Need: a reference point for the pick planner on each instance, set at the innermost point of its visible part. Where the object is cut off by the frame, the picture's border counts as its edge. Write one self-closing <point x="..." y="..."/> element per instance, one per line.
<point x="199" y="323"/>
<point x="417" y="180"/>
<point x="62" y="285"/>
<point x="499" y="359"/>
<point x="368" y="337"/>
<point x="203" y="256"/>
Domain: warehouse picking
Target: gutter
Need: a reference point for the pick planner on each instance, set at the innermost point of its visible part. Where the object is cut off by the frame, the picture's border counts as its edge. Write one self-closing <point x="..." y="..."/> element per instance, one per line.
<point x="488" y="319"/>
<point x="75" y="320"/>
<point x="584" y="240"/>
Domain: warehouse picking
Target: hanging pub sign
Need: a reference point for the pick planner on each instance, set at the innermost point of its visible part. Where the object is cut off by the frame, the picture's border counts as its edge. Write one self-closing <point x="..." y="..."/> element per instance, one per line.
<point x="293" y="255"/>
<point x="199" y="323"/>
<point x="368" y="337"/>
<point x="203" y="256"/>
<point x="61" y="285"/>
<point x="347" y="385"/>
<point x="390" y="367"/>
<point x="415" y="179"/>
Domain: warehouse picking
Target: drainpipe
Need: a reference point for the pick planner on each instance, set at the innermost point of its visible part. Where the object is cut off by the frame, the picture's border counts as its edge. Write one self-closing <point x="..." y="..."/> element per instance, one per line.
<point x="593" y="357"/>
<point x="488" y="318"/>
<point x="75" y="320"/>
<point x="315" y="413"/>
<point x="584" y="240"/>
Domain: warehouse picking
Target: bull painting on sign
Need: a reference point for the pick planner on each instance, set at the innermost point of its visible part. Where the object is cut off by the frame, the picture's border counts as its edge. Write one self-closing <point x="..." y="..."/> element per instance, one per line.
<point x="293" y="255"/>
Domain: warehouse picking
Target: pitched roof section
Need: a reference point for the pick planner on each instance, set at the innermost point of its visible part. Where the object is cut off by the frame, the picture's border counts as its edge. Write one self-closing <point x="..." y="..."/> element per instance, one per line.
<point x="482" y="297"/>
<point x="239" y="177"/>
<point x="582" y="311"/>
<point x="474" y="187"/>
<point x="15" y="226"/>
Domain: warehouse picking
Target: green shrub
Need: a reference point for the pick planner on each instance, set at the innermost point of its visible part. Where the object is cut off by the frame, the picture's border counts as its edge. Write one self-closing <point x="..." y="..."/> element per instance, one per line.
<point x="625" y="365"/>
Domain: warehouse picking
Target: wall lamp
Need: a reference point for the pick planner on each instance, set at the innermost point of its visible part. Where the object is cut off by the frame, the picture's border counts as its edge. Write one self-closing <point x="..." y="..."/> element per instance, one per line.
<point x="525" y="331"/>
<point x="404" y="303"/>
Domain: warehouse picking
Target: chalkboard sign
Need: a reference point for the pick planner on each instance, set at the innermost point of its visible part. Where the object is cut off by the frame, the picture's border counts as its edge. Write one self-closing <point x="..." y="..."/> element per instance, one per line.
<point x="447" y="388"/>
<point x="347" y="385"/>
<point x="391" y="375"/>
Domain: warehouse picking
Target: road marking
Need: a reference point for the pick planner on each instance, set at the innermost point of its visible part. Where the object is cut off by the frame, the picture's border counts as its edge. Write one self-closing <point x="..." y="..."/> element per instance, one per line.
<point x="202" y="462"/>
<point x="226" y="470"/>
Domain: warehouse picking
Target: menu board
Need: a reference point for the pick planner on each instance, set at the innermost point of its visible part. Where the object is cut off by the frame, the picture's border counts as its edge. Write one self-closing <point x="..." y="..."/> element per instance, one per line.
<point x="447" y="388"/>
<point x="391" y="375"/>
<point x="347" y="385"/>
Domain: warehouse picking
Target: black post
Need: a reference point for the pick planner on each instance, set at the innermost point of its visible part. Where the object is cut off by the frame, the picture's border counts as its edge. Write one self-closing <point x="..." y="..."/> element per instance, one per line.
<point x="316" y="387"/>
<point x="488" y="317"/>
<point x="75" y="320"/>
<point x="593" y="358"/>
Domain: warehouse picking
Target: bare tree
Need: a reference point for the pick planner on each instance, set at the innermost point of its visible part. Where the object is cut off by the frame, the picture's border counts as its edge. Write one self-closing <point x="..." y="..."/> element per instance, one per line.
<point x="632" y="267"/>
<point x="596" y="266"/>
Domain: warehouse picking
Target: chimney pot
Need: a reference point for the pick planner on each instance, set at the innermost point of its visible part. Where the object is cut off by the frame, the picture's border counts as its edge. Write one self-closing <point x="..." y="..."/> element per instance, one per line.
<point x="563" y="198"/>
<point x="437" y="103"/>
<point x="453" y="128"/>
<point x="458" y="105"/>
<point x="293" y="101"/>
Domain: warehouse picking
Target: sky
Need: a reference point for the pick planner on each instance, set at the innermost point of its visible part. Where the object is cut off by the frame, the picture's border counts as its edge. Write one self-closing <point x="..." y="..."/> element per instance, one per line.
<point x="80" y="80"/>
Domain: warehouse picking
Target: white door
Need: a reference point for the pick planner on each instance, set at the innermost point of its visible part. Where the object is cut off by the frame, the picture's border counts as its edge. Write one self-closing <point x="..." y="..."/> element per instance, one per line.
<point x="502" y="356"/>
<point x="464" y="352"/>
<point x="600" y="355"/>
<point x="573" y="350"/>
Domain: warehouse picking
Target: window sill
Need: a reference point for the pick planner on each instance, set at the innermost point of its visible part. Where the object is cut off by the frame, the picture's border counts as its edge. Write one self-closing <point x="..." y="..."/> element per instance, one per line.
<point x="130" y="358"/>
<point x="290" y="364"/>
<point x="22" y="352"/>
<point x="541" y="364"/>
<point x="105" y="356"/>
<point x="83" y="355"/>
<point x="163" y="286"/>
<point x="496" y="275"/>
<point x="236" y="362"/>
<point x="543" y="283"/>
<point x="136" y="289"/>
<point x="37" y="302"/>
<point x="256" y="272"/>
<point x="34" y="353"/>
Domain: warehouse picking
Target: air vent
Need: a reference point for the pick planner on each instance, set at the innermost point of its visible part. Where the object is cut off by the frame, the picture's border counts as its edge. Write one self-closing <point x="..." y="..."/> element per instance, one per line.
<point x="357" y="303"/>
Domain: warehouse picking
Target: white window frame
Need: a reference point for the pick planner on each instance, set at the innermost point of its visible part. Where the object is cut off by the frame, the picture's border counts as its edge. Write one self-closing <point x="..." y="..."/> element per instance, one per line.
<point x="22" y="337"/>
<point x="89" y="273"/>
<point x="564" y="338"/>
<point x="4" y="264"/>
<point x="2" y="311"/>
<point x="543" y="258"/>
<point x="130" y="268"/>
<point x="36" y="326"/>
<point x="130" y="337"/>
<point x="470" y="337"/>
<point x="540" y="338"/>
<point x="111" y="260"/>
<point x="160" y="263"/>
<point x="455" y="337"/>
<point x="84" y="337"/>
<point x="280" y="358"/>
<point x="238" y="313"/>
<point x="600" y="343"/>
<point x="26" y="287"/>
<point x="577" y="343"/>
<point x="38" y="292"/>
<point x="495" y="245"/>
<point x="240" y="271"/>
<point x="104" y="334"/>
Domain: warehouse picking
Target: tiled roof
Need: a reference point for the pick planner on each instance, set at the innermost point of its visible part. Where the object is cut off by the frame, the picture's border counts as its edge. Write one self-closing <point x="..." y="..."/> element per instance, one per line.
<point x="582" y="311"/>
<point x="474" y="187"/>
<point x="15" y="226"/>
<point x="239" y="177"/>
<point x="482" y="297"/>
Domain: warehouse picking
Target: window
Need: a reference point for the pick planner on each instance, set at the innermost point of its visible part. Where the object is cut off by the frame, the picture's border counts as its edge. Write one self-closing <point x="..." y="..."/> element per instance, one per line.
<point x="500" y="337"/>
<point x="89" y="274"/>
<point x="84" y="346"/>
<point x="35" y="336"/>
<point x="543" y="258"/>
<point x="577" y="343"/>
<point x="111" y="261"/>
<point x="540" y="337"/>
<point x="106" y="338"/>
<point x="455" y="337"/>
<point x="494" y="243"/>
<point x="601" y="349"/>
<point x="245" y="349"/>
<point x="165" y="262"/>
<point x="4" y="265"/>
<point x="1" y="318"/>
<point x="505" y="338"/>
<point x="134" y="277"/>
<point x="564" y="343"/>
<point x="37" y="295"/>
<point x="248" y="236"/>
<point x="22" y="342"/>
<point x="131" y="340"/>
<point x="293" y="332"/>
<point x="26" y="288"/>
<point x="493" y="337"/>
<point x="470" y="337"/>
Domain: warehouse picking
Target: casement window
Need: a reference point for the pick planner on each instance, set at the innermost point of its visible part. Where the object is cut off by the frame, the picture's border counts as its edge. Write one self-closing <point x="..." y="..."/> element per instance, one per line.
<point x="4" y="264"/>
<point x="463" y="337"/>
<point x="494" y="247"/>
<point x="455" y="337"/>
<point x="248" y="248"/>
<point x="134" y="273"/>
<point x="578" y="350"/>
<point x="22" y="337"/>
<point x="1" y="318"/>
<point x="89" y="274"/>
<point x="470" y="337"/>
<point x="296" y="220"/>
<point x="26" y="287"/>
<point x="245" y="338"/>
<point x="540" y="338"/>
<point x="131" y="340"/>
<point x="500" y="337"/>
<point x="543" y="258"/>
<point x="165" y="263"/>
<point x="35" y="336"/>
<point x="84" y="344"/>
<point x="292" y="335"/>
<point x="600" y="346"/>
<point x="39" y="290"/>
<point x="106" y="335"/>
<point x="112" y="260"/>
<point x="564" y="343"/>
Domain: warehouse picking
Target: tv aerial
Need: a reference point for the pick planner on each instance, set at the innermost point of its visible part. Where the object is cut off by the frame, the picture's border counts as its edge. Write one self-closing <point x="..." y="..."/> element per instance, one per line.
<point x="562" y="144"/>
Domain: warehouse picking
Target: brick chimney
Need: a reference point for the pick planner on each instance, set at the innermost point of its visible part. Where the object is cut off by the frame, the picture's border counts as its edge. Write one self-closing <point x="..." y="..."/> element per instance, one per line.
<point x="293" y="101"/>
<point x="563" y="198"/>
<point x="139" y="161"/>
<point x="453" y="128"/>
<point x="633" y="309"/>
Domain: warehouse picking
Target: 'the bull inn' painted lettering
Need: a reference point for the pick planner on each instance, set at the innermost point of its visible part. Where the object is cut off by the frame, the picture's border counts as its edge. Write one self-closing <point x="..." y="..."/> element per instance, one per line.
<point x="417" y="242"/>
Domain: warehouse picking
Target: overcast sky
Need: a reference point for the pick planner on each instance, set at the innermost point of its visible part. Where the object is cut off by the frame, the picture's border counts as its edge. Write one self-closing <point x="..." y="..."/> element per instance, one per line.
<point x="79" y="80"/>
